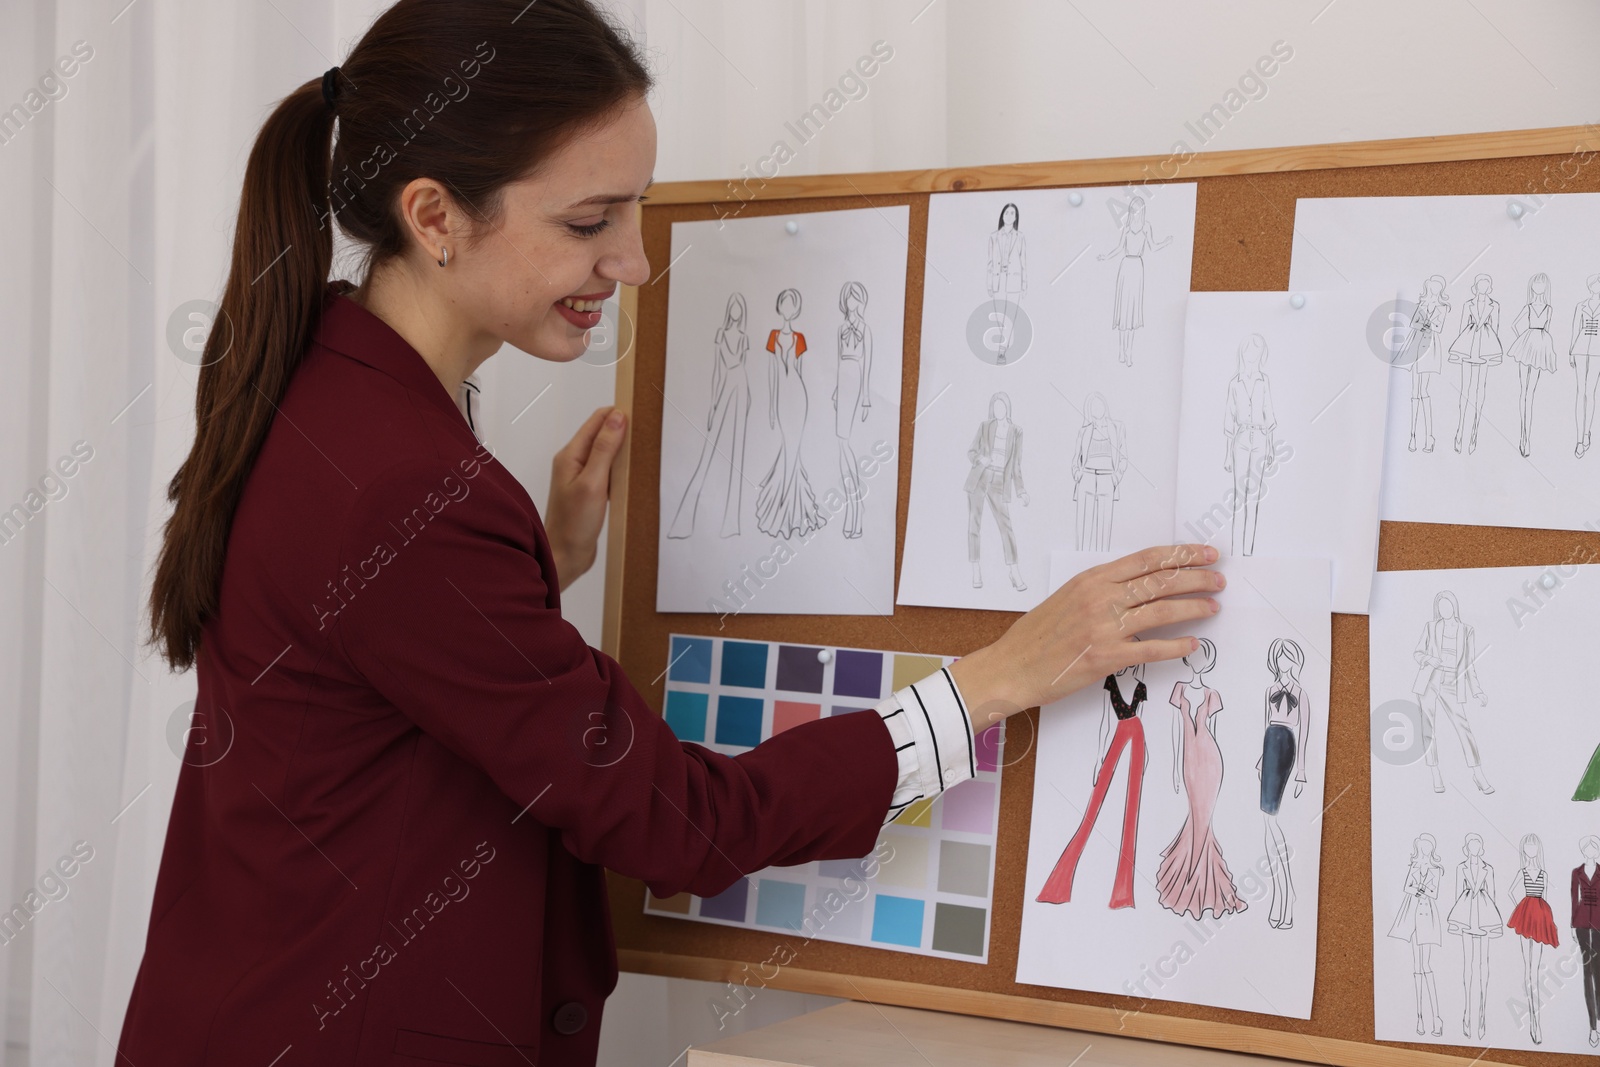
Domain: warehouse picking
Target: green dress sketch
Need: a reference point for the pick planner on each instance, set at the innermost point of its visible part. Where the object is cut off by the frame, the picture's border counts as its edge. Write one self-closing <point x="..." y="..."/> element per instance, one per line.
<point x="1589" y="787"/>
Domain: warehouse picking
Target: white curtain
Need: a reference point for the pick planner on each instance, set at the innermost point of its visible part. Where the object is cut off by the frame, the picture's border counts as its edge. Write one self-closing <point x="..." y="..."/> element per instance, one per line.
<point x="122" y="180"/>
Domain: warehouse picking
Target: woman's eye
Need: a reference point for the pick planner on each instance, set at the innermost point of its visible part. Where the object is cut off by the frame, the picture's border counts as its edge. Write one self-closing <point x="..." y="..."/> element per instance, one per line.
<point x="587" y="229"/>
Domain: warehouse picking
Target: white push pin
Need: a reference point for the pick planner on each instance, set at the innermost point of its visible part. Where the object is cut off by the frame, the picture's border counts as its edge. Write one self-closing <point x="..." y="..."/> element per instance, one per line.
<point x="791" y="227"/>
<point x="1547" y="580"/>
<point x="1515" y="209"/>
<point x="1075" y="198"/>
<point x="1297" y="301"/>
<point x="824" y="655"/>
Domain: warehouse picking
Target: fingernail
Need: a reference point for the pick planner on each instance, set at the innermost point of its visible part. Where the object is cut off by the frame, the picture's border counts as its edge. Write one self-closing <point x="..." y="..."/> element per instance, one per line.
<point x="1222" y="582"/>
<point x="1194" y="644"/>
<point x="614" y="420"/>
<point x="1211" y="554"/>
<point x="1215" y="607"/>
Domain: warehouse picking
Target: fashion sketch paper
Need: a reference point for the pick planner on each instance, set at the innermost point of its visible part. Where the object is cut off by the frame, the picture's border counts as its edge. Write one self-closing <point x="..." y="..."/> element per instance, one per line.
<point x="1176" y="837"/>
<point x="1281" y="438"/>
<point x="1495" y="350"/>
<point x="781" y="422"/>
<point x="1485" y="807"/>
<point x="1047" y="396"/>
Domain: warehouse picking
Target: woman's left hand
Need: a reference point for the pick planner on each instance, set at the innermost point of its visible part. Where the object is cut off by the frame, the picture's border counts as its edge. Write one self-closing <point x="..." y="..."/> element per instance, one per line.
<point x="580" y="486"/>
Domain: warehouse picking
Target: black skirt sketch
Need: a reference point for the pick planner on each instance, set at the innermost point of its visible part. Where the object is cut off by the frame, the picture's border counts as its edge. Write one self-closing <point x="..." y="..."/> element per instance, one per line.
<point x="1007" y="274"/>
<point x="1417" y="924"/>
<point x="785" y="504"/>
<point x="730" y="408"/>
<point x="1283" y="752"/>
<point x="1586" y="343"/>
<point x="1445" y="677"/>
<point x="1476" y="348"/>
<point x="1533" y="350"/>
<point x="1423" y="354"/>
<point x="1476" y="917"/>
<point x="1099" y="460"/>
<point x="993" y="478"/>
<point x="1134" y="239"/>
<point x="1248" y="425"/>
<point x="852" y="395"/>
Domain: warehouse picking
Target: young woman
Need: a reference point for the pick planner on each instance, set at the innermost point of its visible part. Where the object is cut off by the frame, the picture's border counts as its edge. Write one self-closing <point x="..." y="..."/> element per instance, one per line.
<point x="1586" y="343"/>
<point x="1476" y="348"/>
<point x="1417" y="923"/>
<point x="1533" y="350"/>
<point x="1533" y="922"/>
<point x="1134" y="239"/>
<point x="1423" y="353"/>
<point x="1008" y="274"/>
<point x="1249" y="425"/>
<point x="1283" y="750"/>
<point x="852" y="395"/>
<point x="1476" y="917"/>
<point x="401" y="858"/>
<point x="785" y="505"/>
<point x="730" y="407"/>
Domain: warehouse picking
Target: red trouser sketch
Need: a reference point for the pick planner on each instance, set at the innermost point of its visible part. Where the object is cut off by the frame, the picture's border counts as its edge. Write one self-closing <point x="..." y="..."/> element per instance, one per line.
<point x="1058" y="887"/>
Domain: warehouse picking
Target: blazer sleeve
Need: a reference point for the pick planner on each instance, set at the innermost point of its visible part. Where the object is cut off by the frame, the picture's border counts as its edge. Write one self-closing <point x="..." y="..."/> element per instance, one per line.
<point x="458" y="630"/>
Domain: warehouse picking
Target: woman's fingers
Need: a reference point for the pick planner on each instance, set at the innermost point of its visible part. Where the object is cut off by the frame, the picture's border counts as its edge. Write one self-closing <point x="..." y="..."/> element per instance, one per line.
<point x="1156" y="559"/>
<point x="1167" y="613"/>
<point x="1184" y="582"/>
<point x="1157" y="650"/>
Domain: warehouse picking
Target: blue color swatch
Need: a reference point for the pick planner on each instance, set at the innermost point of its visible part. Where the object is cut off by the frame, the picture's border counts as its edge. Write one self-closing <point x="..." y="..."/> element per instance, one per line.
<point x="780" y="904"/>
<point x="897" y="921"/>
<point x="690" y="660"/>
<point x="738" y="719"/>
<point x="686" y="715"/>
<point x="744" y="664"/>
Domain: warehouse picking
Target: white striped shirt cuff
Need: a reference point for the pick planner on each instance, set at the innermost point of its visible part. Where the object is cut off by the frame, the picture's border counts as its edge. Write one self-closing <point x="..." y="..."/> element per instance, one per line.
<point x="933" y="739"/>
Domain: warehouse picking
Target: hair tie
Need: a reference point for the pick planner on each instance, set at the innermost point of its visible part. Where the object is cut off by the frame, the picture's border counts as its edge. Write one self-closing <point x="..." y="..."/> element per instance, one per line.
<point x="330" y="86"/>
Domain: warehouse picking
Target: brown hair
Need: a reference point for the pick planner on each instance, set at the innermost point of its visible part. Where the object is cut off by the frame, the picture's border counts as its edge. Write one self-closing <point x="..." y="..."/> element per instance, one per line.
<point x="473" y="93"/>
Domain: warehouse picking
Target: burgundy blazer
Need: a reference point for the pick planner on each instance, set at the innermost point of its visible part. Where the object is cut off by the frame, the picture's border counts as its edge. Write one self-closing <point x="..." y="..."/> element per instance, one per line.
<point x="387" y="841"/>
<point x="1585" y="899"/>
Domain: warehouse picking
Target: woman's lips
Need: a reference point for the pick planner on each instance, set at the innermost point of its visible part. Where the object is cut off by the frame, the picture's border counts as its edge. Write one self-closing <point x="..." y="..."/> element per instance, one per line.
<point x="587" y="315"/>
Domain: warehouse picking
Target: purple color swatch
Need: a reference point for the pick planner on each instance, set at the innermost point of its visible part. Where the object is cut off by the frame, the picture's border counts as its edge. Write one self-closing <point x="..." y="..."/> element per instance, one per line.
<point x="858" y="674"/>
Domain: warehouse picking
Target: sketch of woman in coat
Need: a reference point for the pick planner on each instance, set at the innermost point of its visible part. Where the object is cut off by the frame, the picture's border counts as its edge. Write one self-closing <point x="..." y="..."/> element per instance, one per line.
<point x="1586" y="927"/>
<point x="1247" y="425"/>
<point x="1476" y="348"/>
<point x="1125" y="696"/>
<point x="730" y="406"/>
<point x="852" y="396"/>
<point x="1533" y="350"/>
<point x="1008" y="273"/>
<point x="1127" y="302"/>
<point x="995" y="474"/>
<point x="1423" y="353"/>
<point x="1445" y="678"/>
<point x="1476" y="917"/>
<point x="785" y="505"/>
<point x="1098" y="462"/>
<point x="1193" y="877"/>
<point x="1533" y="922"/>
<point x="1586" y="343"/>
<point x="1283" y="749"/>
<point x="1417" y="923"/>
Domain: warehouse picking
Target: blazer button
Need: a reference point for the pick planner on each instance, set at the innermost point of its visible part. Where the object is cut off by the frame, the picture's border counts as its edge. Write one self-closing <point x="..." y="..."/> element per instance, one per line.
<point x="570" y="1018"/>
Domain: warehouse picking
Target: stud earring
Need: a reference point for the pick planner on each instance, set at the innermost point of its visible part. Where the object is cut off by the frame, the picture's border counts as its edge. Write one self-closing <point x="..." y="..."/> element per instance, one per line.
<point x="445" y="254"/>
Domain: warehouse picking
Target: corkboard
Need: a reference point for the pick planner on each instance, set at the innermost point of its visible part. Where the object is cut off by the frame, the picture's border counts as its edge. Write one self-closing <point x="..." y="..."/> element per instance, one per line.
<point x="1243" y="235"/>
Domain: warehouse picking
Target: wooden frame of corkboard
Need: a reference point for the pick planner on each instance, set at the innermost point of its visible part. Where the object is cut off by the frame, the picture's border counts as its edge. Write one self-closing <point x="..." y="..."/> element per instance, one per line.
<point x="1243" y="233"/>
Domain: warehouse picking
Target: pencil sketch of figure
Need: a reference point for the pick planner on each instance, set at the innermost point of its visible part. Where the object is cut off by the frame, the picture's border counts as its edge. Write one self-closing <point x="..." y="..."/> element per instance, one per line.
<point x="1586" y="928"/>
<point x="1476" y="348"/>
<point x="1446" y="676"/>
<point x="730" y="406"/>
<point x="852" y="396"/>
<point x="1283" y="749"/>
<point x="1248" y="425"/>
<point x="785" y="505"/>
<point x="1417" y="924"/>
<point x="1533" y="350"/>
<point x="1423" y="353"/>
<point x="1476" y="917"/>
<point x="1127" y="303"/>
<point x="1098" y="462"/>
<point x="1533" y="922"/>
<point x="995" y="475"/>
<point x="1008" y="273"/>
<point x="1586" y="343"/>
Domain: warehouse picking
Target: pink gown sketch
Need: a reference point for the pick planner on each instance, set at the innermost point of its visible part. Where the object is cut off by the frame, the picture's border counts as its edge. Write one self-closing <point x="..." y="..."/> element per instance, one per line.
<point x="1193" y="877"/>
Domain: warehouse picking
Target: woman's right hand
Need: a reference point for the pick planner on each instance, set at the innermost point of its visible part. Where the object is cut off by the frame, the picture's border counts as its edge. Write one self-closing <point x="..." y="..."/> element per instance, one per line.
<point x="1087" y="629"/>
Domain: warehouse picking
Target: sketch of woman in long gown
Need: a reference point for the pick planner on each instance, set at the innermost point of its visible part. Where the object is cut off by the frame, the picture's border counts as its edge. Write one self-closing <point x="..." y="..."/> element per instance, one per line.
<point x="1122" y="705"/>
<point x="1476" y="917"/>
<point x="1127" y="302"/>
<point x="1193" y="877"/>
<point x="1417" y="924"/>
<point x="1446" y="676"/>
<point x="1283" y="749"/>
<point x="1586" y="343"/>
<point x="1534" y="923"/>
<point x="1248" y="424"/>
<point x="1008" y="273"/>
<point x="1423" y="353"/>
<point x="994" y="476"/>
<point x="785" y="505"/>
<point x="1098" y="463"/>
<point x="1533" y="350"/>
<point x="1476" y="348"/>
<point x="852" y="396"/>
<point x="730" y="406"/>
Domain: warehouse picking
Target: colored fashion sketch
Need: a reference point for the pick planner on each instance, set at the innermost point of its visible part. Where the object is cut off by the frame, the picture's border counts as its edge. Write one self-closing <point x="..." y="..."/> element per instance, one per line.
<point x="1476" y="348"/>
<point x="1589" y="784"/>
<point x="1193" y="877"/>
<point x="1283" y="749"/>
<point x="1417" y="924"/>
<point x="852" y="396"/>
<point x="1133" y="240"/>
<point x="994" y="476"/>
<point x="1122" y="706"/>
<point x="1248" y="425"/>
<point x="1586" y="343"/>
<point x="1446" y="676"/>
<point x="785" y="505"/>
<point x="1007" y="274"/>
<point x="1098" y="462"/>
<point x="730" y="407"/>
<point x="1586" y="928"/>
<point x="1476" y="917"/>
<point x="1534" y="924"/>
<point x="1422" y="353"/>
<point x="1533" y="350"/>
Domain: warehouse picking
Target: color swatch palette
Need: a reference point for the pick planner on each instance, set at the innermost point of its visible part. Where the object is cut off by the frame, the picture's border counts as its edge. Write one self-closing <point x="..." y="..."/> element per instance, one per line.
<point x="926" y="887"/>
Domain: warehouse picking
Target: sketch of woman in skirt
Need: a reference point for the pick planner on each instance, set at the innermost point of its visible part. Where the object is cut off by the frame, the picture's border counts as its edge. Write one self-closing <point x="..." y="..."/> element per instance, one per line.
<point x="1533" y="922"/>
<point x="1533" y="350"/>
<point x="1476" y="917"/>
<point x="1423" y="353"/>
<point x="785" y="505"/>
<point x="1098" y="462"/>
<point x="1417" y="924"/>
<point x="852" y="396"/>
<point x="1008" y="273"/>
<point x="1476" y="348"/>
<point x="1248" y="424"/>
<point x="1586" y="343"/>
<point x="1127" y="303"/>
<point x="1283" y="748"/>
<point x="730" y="406"/>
